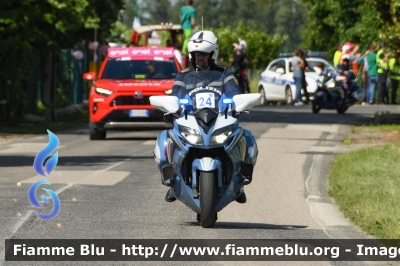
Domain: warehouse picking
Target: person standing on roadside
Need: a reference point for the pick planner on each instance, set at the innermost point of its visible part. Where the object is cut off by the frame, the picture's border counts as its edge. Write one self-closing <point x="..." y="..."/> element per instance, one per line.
<point x="187" y="16"/>
<point x="338" y="55"/>
<point x="297" y="67"/>
<point x="304" y="82"/>
<point x="382" y="61"/>
<point x="365" y="74"/>
<point x="394" y="74"/>
<point x="178" y="52"/>
<point x="372" y="74"/>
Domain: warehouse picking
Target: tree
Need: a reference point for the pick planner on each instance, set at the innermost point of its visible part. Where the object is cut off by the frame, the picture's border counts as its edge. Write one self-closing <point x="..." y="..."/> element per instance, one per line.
<point x="330" y="22"/>
<point x="44" y="27"/>
<point x="262" y="48"/>
<point x="158" y="11"/>
<point x="388" y="16"/>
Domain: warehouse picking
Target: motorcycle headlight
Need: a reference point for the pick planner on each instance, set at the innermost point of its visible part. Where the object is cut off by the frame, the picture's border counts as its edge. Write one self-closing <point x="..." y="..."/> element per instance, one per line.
<point x="330" y="83"/>
<point x="193" y="136"/>
<point x="103" y="92"/>
<point x="221" y="135"/>
<point x="168" y="91"/>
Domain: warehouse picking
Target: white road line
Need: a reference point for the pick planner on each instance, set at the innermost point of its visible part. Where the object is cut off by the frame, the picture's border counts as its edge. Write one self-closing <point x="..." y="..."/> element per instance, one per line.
<point x="114" y="165"/>
<point x="313" y="196"/>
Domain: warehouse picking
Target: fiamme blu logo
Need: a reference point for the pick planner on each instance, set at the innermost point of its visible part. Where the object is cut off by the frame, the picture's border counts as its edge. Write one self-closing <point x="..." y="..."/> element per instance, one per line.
<point x="49" y="167"/>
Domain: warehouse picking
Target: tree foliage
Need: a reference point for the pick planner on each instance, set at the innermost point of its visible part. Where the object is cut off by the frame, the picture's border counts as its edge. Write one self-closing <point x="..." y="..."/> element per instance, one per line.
<point x="330" y="22"/>
<point x="44" y="27"/>
<point x="262" y="48"/>
<point x="283" y="17"/>
<point x="388" y="14"/>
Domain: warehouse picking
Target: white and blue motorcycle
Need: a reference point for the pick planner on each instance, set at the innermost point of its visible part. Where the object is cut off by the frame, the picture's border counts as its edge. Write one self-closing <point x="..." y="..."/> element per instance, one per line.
<point x="206" y="158"/>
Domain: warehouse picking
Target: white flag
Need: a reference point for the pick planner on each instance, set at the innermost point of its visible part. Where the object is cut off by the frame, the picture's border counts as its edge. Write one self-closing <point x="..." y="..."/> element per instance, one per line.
<point x="136" y="23"/>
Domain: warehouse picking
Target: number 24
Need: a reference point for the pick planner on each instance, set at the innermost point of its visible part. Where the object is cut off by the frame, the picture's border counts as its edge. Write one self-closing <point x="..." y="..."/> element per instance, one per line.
<point x="208" y="102"/>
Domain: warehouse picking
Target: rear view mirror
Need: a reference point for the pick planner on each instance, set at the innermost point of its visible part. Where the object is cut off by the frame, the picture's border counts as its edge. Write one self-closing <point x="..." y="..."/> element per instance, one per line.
<point x="168" y="104"/>
<point x="245" y="102"/>
<point x="89" y="76"/>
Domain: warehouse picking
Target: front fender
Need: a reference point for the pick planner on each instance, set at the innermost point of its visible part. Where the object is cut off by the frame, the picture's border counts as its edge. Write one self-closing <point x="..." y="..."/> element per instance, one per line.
<point x="206" y="164"/>
<point x="321" y="94"/>
<point x="159" y="154"/>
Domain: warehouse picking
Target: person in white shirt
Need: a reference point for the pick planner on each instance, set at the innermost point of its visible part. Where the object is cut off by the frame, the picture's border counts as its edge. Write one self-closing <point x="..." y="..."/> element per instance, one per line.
<point x="178" y="52"/>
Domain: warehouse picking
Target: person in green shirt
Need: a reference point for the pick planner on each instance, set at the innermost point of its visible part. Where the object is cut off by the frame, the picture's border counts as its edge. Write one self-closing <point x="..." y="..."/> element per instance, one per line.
<point x="187" y="16"/>
<point x="372" y="74"/>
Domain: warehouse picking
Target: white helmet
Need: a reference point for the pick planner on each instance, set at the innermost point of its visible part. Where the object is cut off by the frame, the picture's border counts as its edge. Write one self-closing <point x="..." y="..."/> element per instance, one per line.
<point x="203" y="41"/>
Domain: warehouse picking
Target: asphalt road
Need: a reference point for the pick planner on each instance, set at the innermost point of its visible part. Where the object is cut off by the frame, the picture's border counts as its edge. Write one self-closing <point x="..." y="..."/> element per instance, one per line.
<point x="111" y="189"/>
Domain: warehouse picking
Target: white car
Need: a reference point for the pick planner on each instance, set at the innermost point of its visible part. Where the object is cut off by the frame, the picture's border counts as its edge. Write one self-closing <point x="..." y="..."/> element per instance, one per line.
<point x="277" y="84"/>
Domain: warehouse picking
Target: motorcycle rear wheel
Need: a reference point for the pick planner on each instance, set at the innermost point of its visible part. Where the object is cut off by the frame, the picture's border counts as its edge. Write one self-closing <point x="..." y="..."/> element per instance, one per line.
<point x="342" y="108"/>
<point x="208" y="195"/>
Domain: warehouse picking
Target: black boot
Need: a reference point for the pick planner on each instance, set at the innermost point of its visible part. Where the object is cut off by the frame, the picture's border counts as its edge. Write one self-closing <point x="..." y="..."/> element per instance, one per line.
<point x="242" y="198"/>
<point x="169" y="197"/>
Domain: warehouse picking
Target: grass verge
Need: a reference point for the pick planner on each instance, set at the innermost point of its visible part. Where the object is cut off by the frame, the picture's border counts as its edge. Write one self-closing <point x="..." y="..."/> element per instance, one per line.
<point x="253" y="82"/>
<point x="64" y="122"/>
<point x="366" y="186"/>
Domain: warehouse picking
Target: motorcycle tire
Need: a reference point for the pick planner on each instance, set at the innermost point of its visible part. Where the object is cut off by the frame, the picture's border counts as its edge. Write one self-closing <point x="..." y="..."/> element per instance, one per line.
<point x="316" y="105"/>
<point x="208" y="196"/>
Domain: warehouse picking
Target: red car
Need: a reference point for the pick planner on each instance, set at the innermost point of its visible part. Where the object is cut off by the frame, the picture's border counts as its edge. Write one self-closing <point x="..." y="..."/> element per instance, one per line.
<point x="119" y="98"/>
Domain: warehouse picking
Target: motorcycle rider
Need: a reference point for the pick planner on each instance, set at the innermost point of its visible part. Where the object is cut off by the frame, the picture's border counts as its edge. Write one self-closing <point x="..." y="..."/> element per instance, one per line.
<point x="203" y="52"/>
<point x="239" y="62"/>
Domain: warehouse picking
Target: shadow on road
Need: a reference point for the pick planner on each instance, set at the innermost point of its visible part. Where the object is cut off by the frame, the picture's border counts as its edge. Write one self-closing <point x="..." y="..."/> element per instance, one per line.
<point x="356" y="115"/>
<point x="233" y="225"/>
<point x="132" y="138"/>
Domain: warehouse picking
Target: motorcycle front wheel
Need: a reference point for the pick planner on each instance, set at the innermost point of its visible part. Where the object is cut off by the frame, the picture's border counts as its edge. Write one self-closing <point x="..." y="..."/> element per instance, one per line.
<point x="208" y="195"/>
<point x="316" y="105"/>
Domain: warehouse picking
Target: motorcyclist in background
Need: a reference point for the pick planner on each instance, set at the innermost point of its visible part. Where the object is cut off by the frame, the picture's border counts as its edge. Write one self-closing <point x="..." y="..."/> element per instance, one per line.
<point x="203" y="52"/>
<point x="349" y="83"/>
<point x="238" y="64"/>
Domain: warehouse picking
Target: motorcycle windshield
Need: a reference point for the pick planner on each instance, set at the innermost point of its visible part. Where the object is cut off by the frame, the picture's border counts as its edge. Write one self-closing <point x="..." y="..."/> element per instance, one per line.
<point x="327" y="74"/>
<point x="205" y="90"/>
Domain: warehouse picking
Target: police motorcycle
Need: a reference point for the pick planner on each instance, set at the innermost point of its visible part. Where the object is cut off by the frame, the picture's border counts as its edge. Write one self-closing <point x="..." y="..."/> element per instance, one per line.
<point x="333" y="92"/>
<point x="207" y="157"/>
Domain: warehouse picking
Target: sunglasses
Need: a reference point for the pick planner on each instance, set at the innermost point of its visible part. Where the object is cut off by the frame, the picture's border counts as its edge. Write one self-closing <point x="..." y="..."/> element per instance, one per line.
<point x="200" y="54"/>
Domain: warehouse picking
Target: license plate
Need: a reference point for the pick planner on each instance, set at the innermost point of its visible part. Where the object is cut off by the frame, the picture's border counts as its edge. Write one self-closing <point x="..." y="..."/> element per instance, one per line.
<point x="139" y="113"/>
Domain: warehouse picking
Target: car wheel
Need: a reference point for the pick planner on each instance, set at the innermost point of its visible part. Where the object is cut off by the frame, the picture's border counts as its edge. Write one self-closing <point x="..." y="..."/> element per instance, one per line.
<point x="288" y="96"/>
<point x="96" y="134"/>
<point x="263" y="99"/>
